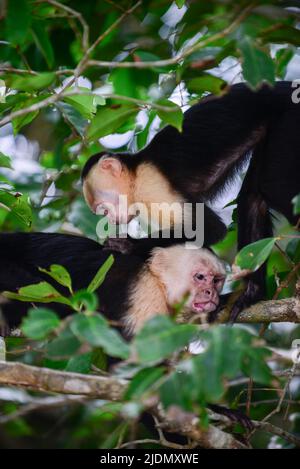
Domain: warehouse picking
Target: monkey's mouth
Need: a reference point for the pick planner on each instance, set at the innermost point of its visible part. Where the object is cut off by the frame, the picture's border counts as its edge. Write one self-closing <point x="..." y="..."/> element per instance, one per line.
<point x="207" y="306"/>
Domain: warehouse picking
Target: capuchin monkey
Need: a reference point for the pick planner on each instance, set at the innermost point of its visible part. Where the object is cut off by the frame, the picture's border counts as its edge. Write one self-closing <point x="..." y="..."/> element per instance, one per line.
<point x="197" y="164"/>
<point x="134" y="289"/>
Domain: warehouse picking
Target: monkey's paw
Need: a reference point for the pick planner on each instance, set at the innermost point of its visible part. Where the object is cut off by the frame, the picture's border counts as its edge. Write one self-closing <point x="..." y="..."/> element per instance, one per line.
<point x="234" y="415"/>
<point x="252" y="294"/>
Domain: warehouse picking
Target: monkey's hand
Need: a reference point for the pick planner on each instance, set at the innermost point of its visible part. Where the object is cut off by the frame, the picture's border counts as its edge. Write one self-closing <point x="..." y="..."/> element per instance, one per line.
<point x="237" y="273"/>
<point x="234" y="415"/>
<point x="122" y="245"/>
<point x="252" y="294"/>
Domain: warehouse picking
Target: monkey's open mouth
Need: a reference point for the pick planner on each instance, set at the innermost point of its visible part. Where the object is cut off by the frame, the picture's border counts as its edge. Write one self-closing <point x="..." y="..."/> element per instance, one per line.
<point x="204" y="306"/>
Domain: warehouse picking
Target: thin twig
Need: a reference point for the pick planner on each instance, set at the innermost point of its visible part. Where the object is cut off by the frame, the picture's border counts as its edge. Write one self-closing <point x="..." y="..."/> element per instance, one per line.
<point x="177" y="58"/>
<point x="285" y="283"/>
<point x="76" y="14"/>
<point x="4" y="68"/>
<point x="164" y="442"/>
<point x="39" y="404"/>
<point x="75" y="92"/>
<point x="270" y="428"/>
<point x="83" y="62"/>
<point x="285" y="389"/>
<point x="249" y="396"/>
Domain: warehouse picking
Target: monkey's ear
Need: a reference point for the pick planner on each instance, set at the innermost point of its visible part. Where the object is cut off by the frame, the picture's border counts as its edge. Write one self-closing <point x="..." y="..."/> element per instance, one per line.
<point x="158" y="262"/>
<point x="111" y="164"/>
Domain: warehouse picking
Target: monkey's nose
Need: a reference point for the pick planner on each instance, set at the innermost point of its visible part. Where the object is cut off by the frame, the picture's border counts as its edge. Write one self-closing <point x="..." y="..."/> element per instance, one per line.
<point x="208" y="293"/>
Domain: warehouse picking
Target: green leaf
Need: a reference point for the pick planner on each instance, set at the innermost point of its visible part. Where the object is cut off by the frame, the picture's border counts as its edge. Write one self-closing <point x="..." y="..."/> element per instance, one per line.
<point x="251" y="257"/>
<point x="85" y="104"/>
<point x="283" y="57"/>
<point x="254" y="365"/>
<point x="18" y="20"/>
<point x="180" y="3"/>
<point x="228" y="352"/>
<point x="176" y="391"/>
<point x="133" y="82"/>
<point x="284" y="35"/>
<point x="174" y="117"/>
<point x="161" y="337"/>
<point x="64" y="346"/>
<point x="41" y="292"/>
<point x="43" y="42"/>
<point x="5" y="161"/>
<point x="21" y="121"/>
<point x="293" y="249"/>
<point x="142" y="382"/>
<point x="32" y="82"/>
<point x="95" y="330"/>
<point x="60" y="274"/>
<point x="206" y="83"/>
<point x="109" y="119"/>
<point x="39" y="323"/>
<point x="296" y="203"/>
<point x="73" y="117"/>
<point x="112" y="438"/>
<point x="99" y="359"/>
<point x="85" y="298"/>
<point x="18" y="205"/>
<point x="80" y="363"/>
<point x="257" y="65"/>
<point x="101" y="274"/>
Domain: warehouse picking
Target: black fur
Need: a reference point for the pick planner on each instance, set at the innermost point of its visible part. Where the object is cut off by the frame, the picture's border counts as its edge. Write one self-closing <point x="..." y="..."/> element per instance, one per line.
<point x="218" y="134"/>
<point x="23" y="253"/>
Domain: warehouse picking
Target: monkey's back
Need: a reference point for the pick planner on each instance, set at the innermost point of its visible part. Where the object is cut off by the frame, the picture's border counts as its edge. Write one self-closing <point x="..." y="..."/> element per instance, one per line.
<point x="23" y="253"/>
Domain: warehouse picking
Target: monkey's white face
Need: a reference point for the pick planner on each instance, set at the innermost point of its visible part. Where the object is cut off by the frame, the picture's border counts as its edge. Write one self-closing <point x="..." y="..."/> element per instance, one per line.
<point x="107" y="191"/>
<point x="198" y="273"/>
<point x="206" y="286"/>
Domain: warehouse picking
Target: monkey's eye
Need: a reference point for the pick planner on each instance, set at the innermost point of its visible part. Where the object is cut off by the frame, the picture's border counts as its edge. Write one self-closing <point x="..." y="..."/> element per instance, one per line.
<point x="218" y="280"/>
<point x="199" y="277"/>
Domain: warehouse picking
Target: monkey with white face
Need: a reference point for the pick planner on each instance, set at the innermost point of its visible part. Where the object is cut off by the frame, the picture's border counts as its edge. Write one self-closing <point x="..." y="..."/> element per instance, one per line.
<point x="135" y="289"/>
<point x="171" y="275"/>
<point x="197" y="164"/>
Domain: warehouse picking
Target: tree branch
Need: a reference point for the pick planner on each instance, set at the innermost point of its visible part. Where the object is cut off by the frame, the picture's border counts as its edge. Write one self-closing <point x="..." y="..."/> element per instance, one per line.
<point x="286" y="310"/>
<point x="181" y="55"/>
<point x="175" y="420"/>
<point x="77" y="387"/>
<point x="66" y="92"/>
<point x="76" y="14"/>
<point x="47" y="380"/>
<point x="38" y="404"/>
<point x="85" y="62"/>
<point x="274" y="430"/>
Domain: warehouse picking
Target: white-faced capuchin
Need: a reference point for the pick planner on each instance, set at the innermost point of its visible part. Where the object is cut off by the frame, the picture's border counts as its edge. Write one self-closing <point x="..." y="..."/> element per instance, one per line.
<point x="135" y="289"/>
<point x="197" y="164"/>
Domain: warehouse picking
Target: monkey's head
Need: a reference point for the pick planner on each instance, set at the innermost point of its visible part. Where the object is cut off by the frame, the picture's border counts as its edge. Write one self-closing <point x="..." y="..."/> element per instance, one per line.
<point x="197" y="273"/>
<point x="105" y="178"/>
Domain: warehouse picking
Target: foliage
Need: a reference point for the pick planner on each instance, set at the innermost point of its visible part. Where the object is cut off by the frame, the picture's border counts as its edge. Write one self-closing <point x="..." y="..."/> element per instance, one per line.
<point x="73" y="73"/>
